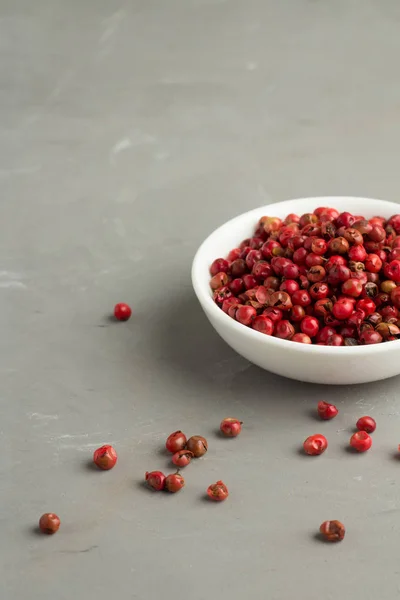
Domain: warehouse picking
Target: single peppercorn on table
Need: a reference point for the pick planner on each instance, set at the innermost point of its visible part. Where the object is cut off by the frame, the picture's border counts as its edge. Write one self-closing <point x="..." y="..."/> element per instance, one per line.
<point x="130" y="131"/>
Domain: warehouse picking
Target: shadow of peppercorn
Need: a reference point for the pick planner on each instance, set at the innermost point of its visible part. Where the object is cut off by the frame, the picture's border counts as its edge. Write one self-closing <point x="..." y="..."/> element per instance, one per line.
<point x="350" y="450"/>
<point x="89" y="465"/>
<point x="317" y="536"/>
<point x="35" y="530"/>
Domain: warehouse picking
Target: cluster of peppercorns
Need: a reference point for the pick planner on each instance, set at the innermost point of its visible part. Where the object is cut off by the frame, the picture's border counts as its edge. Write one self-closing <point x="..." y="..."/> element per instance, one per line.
<point x="324" y="278"/>
<point x="361" y="441"/>
<point x="183" y="450"/>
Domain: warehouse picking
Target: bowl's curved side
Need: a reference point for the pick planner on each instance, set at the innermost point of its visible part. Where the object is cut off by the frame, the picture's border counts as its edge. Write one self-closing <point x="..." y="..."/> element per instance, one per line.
<point x="290" y="360"/>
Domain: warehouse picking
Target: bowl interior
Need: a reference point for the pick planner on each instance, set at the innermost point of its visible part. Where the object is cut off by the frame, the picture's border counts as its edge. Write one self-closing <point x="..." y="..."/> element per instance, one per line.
<point x="231" y="234"/>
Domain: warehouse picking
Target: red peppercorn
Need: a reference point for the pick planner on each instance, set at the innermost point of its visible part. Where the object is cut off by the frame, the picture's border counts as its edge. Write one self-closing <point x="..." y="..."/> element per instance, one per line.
<point x="313" y="260"/>
<point x="297" y="313"/>
<point x="263" y="324"/>
<point x="316" y="273"/>
<point x="174" y="483"/>
<point x="367" y="424"/>
<point x="122" y="311"/>
<point x="231" y="427"/>
<point x="49" y="523"/>
<point x="367" y="305"/>
<point x="352" y="287"/>
<point x="342" y="309"/>
<point x="219" y="265"/>
<point x="315" y="444"/>
<point x="332" y="531"/>
<point x="284" y="330"/>
<point x="245" y="314"/>
<point x="290" y="271"/>
<point x="182" y="458"/>
<point x="249" y="281"/>
<point x="228" y="303"/>
<point x="221" y="294"/>
<point x="373" y="263"/>
<point x="335" y="340"/>
<point x="290" y="286"/>
<point x="156" y="480"/>
<point x="302" y="338"/>
<point x="319" y="291"/>
<point x="252" y="257"/>
<point x="261" y="270"/>
<point x="176" y="441"/>
<point x="324" y="334"/>
<point x="198" y="445"/>
<point x="219" y="280"/>
<point x="370" y="337"/>
<point x="302" y="298"/>
<point x="357" y="253"/>
<point x="299" y="256"/>
<point x="275" y="314"/>
<point x="326" y="411"/>
<point x="361" y="441"/>
<point x="234" y="254"/>
<point x="309" y="326"/>
<point x="105" y="457"/>
<point x="218" y="491"/>
<point x="238" y="267"/>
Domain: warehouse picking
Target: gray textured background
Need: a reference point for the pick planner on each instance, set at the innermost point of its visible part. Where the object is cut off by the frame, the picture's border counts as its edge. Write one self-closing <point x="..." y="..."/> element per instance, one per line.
<point x="129" y="130"/>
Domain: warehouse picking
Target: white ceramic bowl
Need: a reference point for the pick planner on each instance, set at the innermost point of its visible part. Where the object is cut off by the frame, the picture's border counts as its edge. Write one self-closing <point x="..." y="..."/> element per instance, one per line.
<point x="304" y="362"/>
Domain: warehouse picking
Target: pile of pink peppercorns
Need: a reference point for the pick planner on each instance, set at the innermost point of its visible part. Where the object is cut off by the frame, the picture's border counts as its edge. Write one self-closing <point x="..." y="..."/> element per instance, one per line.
<point x="321" y="278"/>
<point x="183" y="450"/>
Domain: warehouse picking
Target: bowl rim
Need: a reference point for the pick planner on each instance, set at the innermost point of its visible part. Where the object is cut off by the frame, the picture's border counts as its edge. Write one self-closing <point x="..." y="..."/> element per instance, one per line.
<point x="203" y="294"/>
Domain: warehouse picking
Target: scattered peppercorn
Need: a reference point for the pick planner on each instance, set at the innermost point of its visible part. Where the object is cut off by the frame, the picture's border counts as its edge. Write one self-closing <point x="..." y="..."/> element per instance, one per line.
<point x="367" y="424"/>
<point x="156" y="480"/>
<point x="49" y="523"/>
<point x="182" y="458"/>
<point x="175" y="442"/>
<point x="218" y="491"/>
<point x="105" y="457"/>
<point x="174" y="482"/>
<point x="326" y="411"/>
<point x="361" y="441"/>
<point x="198" y="445"/>
<point x="231" y="427"/>
<point x="122" y="311"/>
<point x="315" y="444"/>
<point x="332" y="531"/>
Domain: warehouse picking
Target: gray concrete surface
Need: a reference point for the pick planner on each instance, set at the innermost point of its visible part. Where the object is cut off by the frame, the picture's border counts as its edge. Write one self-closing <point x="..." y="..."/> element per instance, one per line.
<point x="129" y="130"/>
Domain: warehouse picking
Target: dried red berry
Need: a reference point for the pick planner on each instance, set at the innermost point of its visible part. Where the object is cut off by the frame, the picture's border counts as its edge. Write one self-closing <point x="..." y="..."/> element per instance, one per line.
<point x="174" y="482"/>
<point x="182" y="458"/>
<point x="176" y="441"/>
<point x="367" y="424"/>
<point x="122" y="311"/>
<point x="218" y="491"/>
<point x="156" y="480"/>
<point x="315" y="444"/>
<point x="361" y="441"/>
<point x="231" y="427"/>
<point x="105" y="457"/>
<point x="198" y="445"/>
<point x="332" y="531"/>
<point x="326" y="411"/>
<point x="49" y="523"/>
